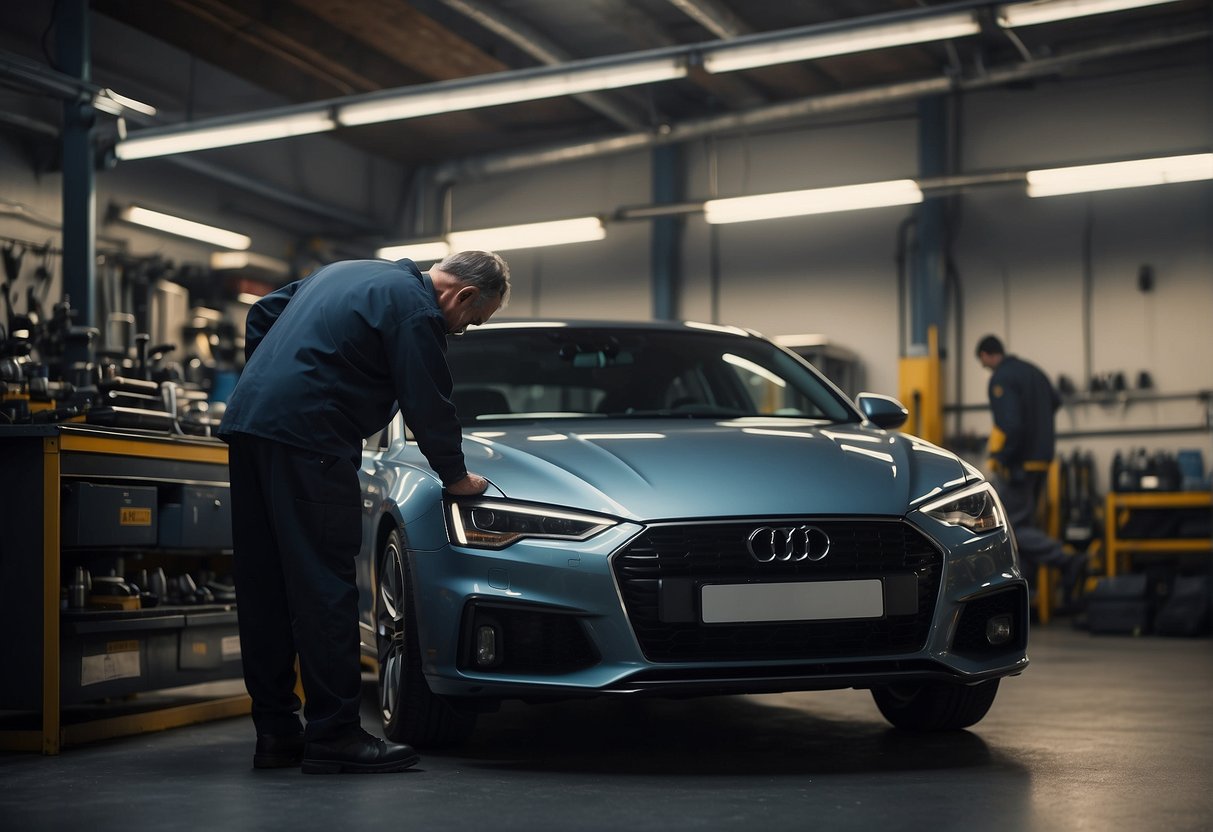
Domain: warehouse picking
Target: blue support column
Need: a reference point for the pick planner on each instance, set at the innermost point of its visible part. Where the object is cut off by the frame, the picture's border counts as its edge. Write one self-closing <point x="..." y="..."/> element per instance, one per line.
<point x="926" y="285"/>
<point x="666" y="241"/>
<point x="79" y="195"/>
<point x="921" y="376"/>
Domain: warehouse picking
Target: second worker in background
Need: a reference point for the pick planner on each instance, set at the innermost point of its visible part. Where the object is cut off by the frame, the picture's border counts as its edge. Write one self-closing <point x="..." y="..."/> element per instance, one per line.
<point x="1023" y="403"/>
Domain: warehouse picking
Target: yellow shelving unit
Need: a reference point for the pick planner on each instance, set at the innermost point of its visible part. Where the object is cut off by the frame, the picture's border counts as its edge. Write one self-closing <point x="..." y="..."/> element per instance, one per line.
<point x="156" y="650"/>
<point x="1120" y="506"/>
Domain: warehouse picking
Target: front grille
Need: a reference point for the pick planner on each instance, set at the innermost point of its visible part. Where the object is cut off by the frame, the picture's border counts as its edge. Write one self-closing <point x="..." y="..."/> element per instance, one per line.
<point x="690" y="555"/>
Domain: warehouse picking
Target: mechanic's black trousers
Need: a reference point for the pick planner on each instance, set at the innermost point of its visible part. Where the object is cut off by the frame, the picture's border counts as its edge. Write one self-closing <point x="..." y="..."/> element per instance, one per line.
<point x="296" y="529"/>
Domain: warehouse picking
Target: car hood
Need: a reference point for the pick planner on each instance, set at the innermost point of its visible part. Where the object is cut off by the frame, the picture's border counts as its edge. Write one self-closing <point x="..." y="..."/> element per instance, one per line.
<point x="681" y="468"/>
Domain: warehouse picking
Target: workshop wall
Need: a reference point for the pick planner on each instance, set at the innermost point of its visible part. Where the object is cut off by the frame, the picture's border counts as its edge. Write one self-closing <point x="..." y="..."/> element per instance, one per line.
<point x="1020" y="261"/>
<point x="603" y="279"/>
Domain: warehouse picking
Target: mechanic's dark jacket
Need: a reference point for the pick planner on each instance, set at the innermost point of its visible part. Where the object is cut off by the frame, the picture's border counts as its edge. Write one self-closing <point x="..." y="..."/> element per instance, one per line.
<point x="328" y="358"/>
<point x="1023" y="402"/>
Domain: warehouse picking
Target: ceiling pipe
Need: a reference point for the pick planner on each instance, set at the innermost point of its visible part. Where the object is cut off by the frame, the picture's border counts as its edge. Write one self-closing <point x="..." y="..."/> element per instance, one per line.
<point x="540" y="48"/>
<point x="936" y="185"/>
<point x="276" y="194"/>
<point x="789" y="112"/>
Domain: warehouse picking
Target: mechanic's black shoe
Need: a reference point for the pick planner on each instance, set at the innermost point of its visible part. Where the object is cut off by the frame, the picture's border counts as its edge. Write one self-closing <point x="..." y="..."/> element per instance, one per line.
<point x="278" y="751"/>
<point x="359" y="754"/>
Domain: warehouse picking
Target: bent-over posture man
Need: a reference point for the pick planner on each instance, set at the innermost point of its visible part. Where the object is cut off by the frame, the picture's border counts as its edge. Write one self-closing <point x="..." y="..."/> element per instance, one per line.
<point x="329" y="359"/>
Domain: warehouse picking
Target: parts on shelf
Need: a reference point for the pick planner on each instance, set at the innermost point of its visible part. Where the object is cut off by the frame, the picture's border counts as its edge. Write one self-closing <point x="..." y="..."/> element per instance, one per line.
<point x="1140" y="470"/>
<point x="1079" y="509"/>
<point x="132" y="386"/>
<point x="144" y="589"/>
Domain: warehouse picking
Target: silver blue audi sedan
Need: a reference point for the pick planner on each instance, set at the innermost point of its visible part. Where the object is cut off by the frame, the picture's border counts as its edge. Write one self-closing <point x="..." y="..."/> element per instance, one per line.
<point x="674" y="510"/>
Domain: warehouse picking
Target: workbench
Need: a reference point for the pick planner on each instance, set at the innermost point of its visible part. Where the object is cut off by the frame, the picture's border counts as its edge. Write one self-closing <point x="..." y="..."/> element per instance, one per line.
<point x="91" y="497"/>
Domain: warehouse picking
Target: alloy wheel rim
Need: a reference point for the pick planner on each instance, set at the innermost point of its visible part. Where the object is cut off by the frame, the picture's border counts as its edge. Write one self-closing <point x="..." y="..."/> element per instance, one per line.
<point x="390" y="630"/>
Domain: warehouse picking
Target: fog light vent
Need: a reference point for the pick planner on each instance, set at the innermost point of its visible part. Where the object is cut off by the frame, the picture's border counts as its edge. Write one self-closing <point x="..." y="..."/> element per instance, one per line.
<point x="993" y="624"/>
<point x="520" y="638"/>
<point x="999" y="630"/>
<point x="486" y="646"/>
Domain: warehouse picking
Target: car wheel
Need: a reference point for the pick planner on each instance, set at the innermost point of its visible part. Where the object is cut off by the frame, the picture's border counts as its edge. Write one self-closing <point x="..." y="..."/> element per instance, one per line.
<point x="935" y="706"/>
<point x="411" y="712"/>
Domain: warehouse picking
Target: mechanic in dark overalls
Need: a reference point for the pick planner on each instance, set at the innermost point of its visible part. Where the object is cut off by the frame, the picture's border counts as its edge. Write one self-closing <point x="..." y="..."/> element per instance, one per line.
<point x="1021" y="448"/>
<point x="328" y="360"/>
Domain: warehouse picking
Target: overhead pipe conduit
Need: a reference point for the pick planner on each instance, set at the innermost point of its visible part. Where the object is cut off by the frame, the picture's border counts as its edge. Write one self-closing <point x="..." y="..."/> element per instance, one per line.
<point x="805" y="108"/>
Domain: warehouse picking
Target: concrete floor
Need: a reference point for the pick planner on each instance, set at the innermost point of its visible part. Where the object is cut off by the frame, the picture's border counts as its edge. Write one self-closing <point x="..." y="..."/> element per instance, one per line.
<point x="1101" y="733"/>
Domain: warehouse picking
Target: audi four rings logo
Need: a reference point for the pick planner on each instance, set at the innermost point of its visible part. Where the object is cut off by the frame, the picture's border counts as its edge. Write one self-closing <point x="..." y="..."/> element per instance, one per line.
<point x="788" y="544"/>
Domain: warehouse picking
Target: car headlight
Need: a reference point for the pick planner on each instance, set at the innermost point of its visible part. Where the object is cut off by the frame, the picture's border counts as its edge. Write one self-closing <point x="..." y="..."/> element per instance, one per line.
<point x="490" y="524"/>
<point x="977" y="508"/>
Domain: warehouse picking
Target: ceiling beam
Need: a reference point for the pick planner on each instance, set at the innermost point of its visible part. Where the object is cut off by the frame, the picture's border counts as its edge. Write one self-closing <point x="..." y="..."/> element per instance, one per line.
<point x="311" y="61"/>
<point x="395" y="28"/>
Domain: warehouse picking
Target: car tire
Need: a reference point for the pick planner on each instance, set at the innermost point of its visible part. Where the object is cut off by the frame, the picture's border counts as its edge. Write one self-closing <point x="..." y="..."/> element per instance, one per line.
<point x="411" y="712"/>
<point x="935" y="706"/>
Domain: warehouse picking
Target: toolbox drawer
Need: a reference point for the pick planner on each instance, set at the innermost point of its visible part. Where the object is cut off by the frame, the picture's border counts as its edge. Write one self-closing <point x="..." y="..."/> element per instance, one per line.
<point x="106" y="656"/>
<point x="196" y="517"/>
<point x="108" y="515"/>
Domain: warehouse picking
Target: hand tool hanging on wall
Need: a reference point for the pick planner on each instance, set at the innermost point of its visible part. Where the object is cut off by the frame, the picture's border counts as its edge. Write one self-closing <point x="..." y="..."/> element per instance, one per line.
<point x="13" y="254"/>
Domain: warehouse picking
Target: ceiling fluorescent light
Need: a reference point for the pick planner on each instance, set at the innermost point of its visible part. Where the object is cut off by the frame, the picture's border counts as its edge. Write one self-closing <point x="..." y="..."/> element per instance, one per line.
<point x="427" y="251"/>
<point x="1106" y="177"/>
<point x="531" y="235"/>
<point x="1046" y="11"/>
<point x="185" y="139"/>
<point x="814" y="201"/>
<point x="487" y="92"/>
<point x="764" y="52"/>
<point x="235" y="260"/>
<point x="185" y="228"/>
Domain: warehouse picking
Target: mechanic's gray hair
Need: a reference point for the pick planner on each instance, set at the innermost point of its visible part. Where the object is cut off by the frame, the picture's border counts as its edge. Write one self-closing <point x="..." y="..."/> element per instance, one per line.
<point x="483" y="269"/>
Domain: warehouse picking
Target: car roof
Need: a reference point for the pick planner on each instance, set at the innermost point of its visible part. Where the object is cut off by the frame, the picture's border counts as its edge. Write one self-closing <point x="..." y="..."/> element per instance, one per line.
<point x="592" y="323"/>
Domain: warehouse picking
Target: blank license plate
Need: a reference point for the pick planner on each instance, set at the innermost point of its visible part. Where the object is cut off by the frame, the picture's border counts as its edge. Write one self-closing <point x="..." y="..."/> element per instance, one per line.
<point x="816" y="601"/>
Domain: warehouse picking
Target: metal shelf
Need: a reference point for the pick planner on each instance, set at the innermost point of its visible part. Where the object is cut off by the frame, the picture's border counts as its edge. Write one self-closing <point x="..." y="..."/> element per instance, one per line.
<point x="70" y="664"/>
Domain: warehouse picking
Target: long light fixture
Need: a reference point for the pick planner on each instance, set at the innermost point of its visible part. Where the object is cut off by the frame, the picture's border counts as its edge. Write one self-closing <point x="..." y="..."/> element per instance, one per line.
<point x="185" y="228"/>
<point x="406" y="102"/>
<point x="223" y="135"/>
<point x="423" y="251"/>
<point x="1105" y="177"/>
<point x="530" y="235"/>
<point x="812" y="201"/>
<point x="508" y="89"/>
<point x="236" y="260"/>
<point x="729" y="57"/>
<point x="1047" y="11"/>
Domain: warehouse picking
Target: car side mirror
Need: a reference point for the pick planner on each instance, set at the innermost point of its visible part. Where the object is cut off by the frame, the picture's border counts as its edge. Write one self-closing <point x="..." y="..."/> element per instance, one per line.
<point x="882" y="411"/>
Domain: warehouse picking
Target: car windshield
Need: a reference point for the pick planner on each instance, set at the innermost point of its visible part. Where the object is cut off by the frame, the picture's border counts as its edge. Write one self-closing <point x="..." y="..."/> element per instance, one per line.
<point x="581" y="372"/>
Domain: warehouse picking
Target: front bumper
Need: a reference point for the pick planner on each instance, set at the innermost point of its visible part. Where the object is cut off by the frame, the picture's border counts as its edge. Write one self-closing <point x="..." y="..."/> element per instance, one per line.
<point x="569" y="628"/>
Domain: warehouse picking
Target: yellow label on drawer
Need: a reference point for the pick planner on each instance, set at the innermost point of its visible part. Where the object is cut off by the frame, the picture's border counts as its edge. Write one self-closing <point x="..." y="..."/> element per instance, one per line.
<point x="199" y="648"/>
<point x="134" y="516"/>
<point x="121" y="646"/>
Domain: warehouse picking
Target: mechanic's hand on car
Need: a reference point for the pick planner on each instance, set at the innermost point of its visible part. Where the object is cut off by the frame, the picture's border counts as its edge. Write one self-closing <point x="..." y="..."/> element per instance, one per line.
<point x="470" y="485"/>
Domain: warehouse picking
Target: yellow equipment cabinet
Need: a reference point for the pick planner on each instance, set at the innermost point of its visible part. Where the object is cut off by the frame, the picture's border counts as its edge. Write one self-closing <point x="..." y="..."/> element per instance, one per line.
<point x="77" y="496"/>
<point x="1121" y="505"/>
